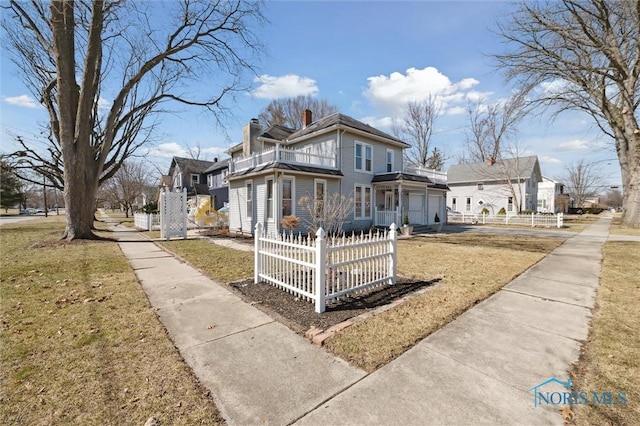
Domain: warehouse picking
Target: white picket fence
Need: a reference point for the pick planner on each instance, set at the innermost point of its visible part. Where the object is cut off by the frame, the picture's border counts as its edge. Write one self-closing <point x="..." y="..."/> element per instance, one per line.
<point x="532" y="220"/>
<point x="146" y="221"/>
<point x="322" y="269"/>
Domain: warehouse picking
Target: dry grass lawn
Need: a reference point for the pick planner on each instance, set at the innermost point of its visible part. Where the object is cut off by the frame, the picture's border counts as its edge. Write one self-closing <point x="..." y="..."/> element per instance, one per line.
<point x="611" y="359"/>
<point x="80" y="343"/>
<point x="469" y="267"/>
<point x="222" y="264"/>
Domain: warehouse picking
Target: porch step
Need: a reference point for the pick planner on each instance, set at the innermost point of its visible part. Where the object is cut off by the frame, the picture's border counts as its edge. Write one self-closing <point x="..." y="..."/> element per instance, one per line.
<point x="421" y="229"/>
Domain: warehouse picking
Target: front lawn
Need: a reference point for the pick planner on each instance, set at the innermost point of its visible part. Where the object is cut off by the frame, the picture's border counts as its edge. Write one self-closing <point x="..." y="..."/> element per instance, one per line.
<point x="80" y="343"/>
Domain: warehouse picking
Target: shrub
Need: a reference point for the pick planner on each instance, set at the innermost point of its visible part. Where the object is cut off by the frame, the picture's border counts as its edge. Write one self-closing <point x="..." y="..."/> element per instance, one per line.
<point x="484" y="211"/>
<point x="502" y="211"/>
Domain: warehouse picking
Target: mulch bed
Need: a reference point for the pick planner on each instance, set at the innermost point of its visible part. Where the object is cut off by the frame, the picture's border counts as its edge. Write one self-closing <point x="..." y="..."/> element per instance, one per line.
<point x="300" y="315"/>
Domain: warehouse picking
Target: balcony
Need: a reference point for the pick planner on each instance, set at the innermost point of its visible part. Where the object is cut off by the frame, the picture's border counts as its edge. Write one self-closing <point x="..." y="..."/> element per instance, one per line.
<point x="282" y="155"/>
<point x="430" y="173"/>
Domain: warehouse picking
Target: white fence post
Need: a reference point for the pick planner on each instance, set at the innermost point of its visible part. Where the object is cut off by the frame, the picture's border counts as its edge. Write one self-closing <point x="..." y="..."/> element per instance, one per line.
<point x="393" y="253"/>
<point x="321" y="246"/>
<point x="559" y="220"/>
<point x="257" y="263"/>
<point x="532" y="221"/>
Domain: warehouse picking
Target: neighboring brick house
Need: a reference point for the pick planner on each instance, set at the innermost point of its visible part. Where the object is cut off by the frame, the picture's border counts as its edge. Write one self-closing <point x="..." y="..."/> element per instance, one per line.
<point x="510" y="183"/>
<point x="200" y="177"/>
<point x="273" y="168"/>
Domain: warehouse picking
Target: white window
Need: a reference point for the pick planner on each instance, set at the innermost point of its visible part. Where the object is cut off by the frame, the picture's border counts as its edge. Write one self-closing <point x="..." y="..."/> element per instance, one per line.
<point x="195" y="179"/>
<point x="468" y="205"/>
<point x="270" y="199"/>
<point x="287" y="197"/>
<point x="480" y="186"/>
<point x="210" y="181"/>
<point x="363" y="157"/>
<point x="510" y="204"/>
<point x="249" y="189"/>
<point x="362" y="202"/>
<point x="454" y="204"/>
<point x="177" y="182"/>
<point x="389" y="160"/>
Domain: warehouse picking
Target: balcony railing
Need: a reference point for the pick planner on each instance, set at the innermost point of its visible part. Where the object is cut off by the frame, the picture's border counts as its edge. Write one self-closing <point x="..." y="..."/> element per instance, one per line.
<point x="283" y="155"/>
<point x="430" y="173"/>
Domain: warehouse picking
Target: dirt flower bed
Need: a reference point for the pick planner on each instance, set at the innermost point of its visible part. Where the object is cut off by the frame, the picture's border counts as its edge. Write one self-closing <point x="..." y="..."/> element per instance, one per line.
<point x="300" y="315"/>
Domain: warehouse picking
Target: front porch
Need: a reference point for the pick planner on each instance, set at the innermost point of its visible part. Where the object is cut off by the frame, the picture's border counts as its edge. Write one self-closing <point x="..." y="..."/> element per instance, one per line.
<point x="415" y="203"/>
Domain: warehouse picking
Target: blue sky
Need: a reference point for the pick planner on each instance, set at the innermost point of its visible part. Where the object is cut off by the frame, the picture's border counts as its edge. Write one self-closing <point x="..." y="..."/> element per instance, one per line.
<point x="369" y="59"/>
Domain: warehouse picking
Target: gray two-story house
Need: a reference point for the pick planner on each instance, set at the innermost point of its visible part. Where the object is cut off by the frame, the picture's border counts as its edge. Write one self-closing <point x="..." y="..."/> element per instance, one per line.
<point x="273" y="168"/>
<point x="200" y="177"/>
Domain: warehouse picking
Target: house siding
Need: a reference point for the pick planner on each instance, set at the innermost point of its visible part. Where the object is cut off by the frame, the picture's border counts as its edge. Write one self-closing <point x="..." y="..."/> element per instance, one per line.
<point x="354" y="177"/>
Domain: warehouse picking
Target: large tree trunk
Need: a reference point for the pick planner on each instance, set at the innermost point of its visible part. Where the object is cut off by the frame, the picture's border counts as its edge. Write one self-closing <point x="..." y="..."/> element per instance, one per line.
<point x="631" y="200"/>
<point x="79" y="197"/>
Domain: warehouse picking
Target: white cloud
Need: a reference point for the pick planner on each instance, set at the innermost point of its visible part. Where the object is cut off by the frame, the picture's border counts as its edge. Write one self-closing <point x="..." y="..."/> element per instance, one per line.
<point x="22" y="100"/>
<point x="378" y="123"/>
<point x="547" y="159"/>
<point x="391" y="93"/>
<point x="457" y="110"/>
<point x="574" y="145"/>
<point x="173" y="149"/>
<point x="168" y="150"/>
<point x="104" y="104"/>
<point x="284" y="86"/>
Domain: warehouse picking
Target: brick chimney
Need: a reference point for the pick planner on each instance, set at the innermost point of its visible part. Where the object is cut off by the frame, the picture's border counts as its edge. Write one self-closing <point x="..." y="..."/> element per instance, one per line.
<point x="250" y="132"/>
<point x="491" y="161"/>
<point x="306" y="118"/>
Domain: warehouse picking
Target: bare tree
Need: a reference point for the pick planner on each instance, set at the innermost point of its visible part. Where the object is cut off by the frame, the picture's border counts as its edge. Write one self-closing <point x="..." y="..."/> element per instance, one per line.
<point x="583" y="180"/>
<point x="328" y="214"/>
<point x="491" y="126"/>
<point x="416" y="128"/>
<point x="584" y="55"/>
<point x="71" y="54"/>
<point x="130" y="182"/>
<point x="287" y="112"/>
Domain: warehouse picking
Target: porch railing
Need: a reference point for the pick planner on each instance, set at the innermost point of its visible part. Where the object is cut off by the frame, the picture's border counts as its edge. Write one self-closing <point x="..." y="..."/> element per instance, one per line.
<point x="430" y="173"/>
<point x="284" y="155"/>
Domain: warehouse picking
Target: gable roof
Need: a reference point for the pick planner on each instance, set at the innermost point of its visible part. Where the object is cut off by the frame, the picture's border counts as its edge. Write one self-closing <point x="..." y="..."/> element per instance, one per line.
<point x="513" y="168"/>
<point x="189" y="165"/>
<point x="217" y="165"/>
<point x="340" y="120"/>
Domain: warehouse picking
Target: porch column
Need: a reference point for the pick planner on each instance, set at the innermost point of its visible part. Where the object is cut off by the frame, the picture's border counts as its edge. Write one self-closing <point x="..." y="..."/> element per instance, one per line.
<point x="400" y="204"/>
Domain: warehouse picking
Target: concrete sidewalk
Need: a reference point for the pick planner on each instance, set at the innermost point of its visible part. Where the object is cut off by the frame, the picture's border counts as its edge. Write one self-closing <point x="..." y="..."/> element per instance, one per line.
<point x="258" y="371"/>
<point x="476" y="370"/>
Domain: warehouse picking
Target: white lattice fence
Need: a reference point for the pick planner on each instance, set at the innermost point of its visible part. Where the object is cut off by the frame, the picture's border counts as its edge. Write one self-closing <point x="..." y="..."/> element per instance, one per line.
<point x="173" y="214"/>
<point x="324" y="269"/>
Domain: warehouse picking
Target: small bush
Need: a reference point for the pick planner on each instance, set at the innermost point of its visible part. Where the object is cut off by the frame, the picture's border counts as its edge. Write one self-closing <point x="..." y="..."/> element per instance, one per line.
<point x="502" y="211"/>
<point x="484" y="211"/>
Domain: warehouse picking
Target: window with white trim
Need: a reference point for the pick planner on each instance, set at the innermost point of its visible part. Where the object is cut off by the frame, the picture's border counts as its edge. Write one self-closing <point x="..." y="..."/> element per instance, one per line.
<point x="389" y="158"/>
<point x="468" y="204"/>
<point x="287" y="197"/>
<point x="249" y="195"/>
<point x="454" y="204"/>
<point x="210" y="181"/>
<point x="362" y="202"/>
<point x="480" y="186"/>
<point x="269" y="199"/>
<point x="510" y="204"/>
<point x="195" y="179"/>
<point x="363" y="157"/>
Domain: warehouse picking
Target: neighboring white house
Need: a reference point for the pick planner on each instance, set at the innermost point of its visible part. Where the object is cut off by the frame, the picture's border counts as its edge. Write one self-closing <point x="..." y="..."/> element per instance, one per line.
<point x="511" y="184"/>
<point x="551" y="197"/>
<point x="273" y="168"/>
